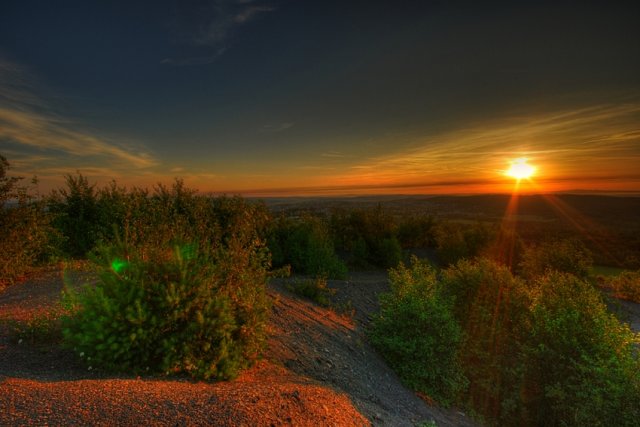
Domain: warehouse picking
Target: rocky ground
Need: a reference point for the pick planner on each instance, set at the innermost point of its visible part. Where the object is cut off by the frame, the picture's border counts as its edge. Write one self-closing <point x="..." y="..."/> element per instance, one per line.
<point x="318" y="370"/>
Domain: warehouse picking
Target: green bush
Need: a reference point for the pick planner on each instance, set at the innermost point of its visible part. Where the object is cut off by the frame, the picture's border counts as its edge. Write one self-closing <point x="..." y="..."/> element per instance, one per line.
<point x="27" y="237"/>
<point x="305" y="244"/>
<point x="192" y="310"/>
<point x="417" y="334"/>
<point x="582" y="368"/>
<point x="368" y="236"/>
<point x="198" y="308"/>
<point x="567" y="256"/>
<point x="314" y="289"/>
<point x="76" y="215"/>
<point x="491" y="307"/>
<point x="417" y="232"/>
<point x="459" y="241"/>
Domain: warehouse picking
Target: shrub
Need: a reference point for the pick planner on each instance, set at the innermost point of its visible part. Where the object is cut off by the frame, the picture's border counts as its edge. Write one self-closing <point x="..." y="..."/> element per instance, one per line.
<point x="567" y="256"/>
<point x="314" y="289"/>
<point x="581" y="367"/>
<point x="492" y="308"/>
<point x="199" y="308"/>
<point x="369" y="236"/>
<point x="76" y="215"/>
<point x="457" y="241"/>
<point x="305" y="244"/>
<point x="27" y="237"/>
<point x="626" y="285"/>
<point x="417" y="232"/>
<point x="417" y="334"/>
<point x="191" y="310"/>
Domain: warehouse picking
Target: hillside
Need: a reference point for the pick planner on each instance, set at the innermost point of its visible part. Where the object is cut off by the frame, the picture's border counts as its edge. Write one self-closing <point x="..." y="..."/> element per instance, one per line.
<point x="318" y="370"/>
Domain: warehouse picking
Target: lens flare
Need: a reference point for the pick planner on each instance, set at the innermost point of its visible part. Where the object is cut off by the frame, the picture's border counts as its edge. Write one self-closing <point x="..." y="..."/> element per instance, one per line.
<point x="118" y="265"/>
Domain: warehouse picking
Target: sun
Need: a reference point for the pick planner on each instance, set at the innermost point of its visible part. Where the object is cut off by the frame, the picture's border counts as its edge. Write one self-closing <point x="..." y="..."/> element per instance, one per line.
<point x="520" y="169"/>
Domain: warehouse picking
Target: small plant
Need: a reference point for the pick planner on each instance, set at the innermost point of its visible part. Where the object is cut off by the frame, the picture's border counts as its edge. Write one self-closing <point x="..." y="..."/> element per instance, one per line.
<point x="314" y="289"/>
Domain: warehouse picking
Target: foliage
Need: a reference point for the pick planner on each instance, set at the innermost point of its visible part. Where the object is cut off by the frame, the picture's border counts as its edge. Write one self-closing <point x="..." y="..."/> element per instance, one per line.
<point x="416" y="332"/>
<point x="460" y="241"/>
<point x="581" y="367"/>
<point x="625" y="285"/>
<point x="567" y="256"/>
<point x="315" y="289"/>
<point x="491" y="307"/>
<point x="306" y="245"/>
<point x="199" y="309"/>
<point x="544" y="352"/>
<point x="76" y="215"/>
<point x="27" y="237"/>
<point x="184" y="289"/>
<point x="417" y="231"/>
<point x="368" y="236"/>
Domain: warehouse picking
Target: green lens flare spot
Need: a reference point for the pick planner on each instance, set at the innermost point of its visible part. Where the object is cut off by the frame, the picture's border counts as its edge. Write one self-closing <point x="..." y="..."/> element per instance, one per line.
<point x="118" y="265"/>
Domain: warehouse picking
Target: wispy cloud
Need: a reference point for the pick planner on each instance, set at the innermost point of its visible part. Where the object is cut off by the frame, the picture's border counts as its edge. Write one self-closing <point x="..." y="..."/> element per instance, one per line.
<point x="277" y="127"/>
<point x="333" y="154"/>
<point x="210" y="24"/>
<point x="34" y="130"/>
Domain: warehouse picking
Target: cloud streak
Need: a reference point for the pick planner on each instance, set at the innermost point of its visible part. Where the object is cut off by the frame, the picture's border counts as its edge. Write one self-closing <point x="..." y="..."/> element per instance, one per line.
<point x="34" y="129"/>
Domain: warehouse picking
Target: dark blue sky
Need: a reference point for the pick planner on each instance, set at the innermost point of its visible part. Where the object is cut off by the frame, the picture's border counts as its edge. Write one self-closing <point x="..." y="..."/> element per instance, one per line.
<point x="341" y="96"/>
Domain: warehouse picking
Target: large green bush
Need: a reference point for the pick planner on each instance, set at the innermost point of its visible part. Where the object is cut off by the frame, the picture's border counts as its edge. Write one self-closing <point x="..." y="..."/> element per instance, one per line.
<point x="305" y="244"/>
<point x="192" y="310"/>
<point x="184" y="290"/>
<point x="582" y="368"/>
<point x="491" y="306"/>
<point x="417" y="334"/>
<point x="544" y="352"/>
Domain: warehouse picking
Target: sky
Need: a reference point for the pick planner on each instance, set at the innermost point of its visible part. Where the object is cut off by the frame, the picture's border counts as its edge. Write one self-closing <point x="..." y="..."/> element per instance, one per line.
<point x="305" y="97"/>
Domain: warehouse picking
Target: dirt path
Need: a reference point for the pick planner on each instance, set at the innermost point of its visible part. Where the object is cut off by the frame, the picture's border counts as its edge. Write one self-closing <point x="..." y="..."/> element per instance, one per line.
<point x="318" y="371"/>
